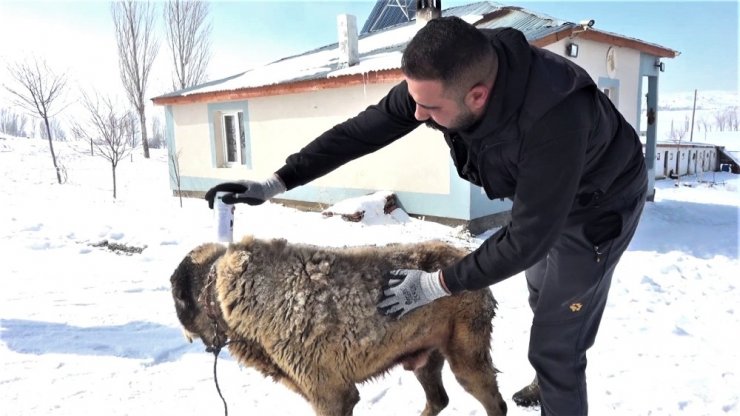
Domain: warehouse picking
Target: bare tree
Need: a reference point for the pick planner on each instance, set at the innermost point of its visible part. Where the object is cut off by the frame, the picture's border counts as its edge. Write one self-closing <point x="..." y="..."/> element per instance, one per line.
<point x="57" y="131"/>
<point x="137" y="48"/>
<point x="175" y="171"/>
<point x="38" y="92"/>
<point x="732" y="118"/>
<point x="13" y="123"/>
<point x="677" y="134"/>
<point x="131" y="131"/>
<point x="188" y="35"/>
<point x="157" y="140"/>
<point x="108" y="129"/>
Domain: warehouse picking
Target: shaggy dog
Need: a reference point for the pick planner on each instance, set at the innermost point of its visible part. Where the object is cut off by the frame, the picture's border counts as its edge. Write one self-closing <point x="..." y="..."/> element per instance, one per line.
<point x="306" y="317"/>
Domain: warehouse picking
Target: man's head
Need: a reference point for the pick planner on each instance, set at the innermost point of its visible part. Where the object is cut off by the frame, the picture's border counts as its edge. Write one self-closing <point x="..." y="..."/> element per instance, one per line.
<point x="450" y="68"/>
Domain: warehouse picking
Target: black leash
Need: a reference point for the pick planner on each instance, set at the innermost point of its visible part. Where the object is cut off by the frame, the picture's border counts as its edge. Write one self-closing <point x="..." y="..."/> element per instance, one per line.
<point x="216" y="349"/>
<point x="209" y="303"/>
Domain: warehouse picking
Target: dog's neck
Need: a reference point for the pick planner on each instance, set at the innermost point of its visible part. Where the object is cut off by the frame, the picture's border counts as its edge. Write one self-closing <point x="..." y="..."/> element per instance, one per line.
<point x="209" y="302"/>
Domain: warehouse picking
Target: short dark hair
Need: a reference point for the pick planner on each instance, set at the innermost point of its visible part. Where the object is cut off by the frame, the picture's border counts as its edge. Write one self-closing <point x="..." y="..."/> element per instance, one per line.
<point x="452" y="51"/>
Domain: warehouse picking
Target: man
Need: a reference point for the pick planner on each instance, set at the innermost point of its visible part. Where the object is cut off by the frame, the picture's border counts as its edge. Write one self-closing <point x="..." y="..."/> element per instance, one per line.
<point x="522" y="123"/>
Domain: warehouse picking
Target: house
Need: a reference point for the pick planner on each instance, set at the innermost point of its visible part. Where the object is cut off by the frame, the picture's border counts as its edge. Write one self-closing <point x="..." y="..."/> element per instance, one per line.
<point x="244" y="126"/>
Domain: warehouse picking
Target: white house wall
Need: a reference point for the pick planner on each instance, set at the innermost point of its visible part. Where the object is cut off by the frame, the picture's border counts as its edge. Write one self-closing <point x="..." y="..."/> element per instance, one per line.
<point x="282" y="125"/>
<point x="417" y="167"/>
<point x="190" y="133"/>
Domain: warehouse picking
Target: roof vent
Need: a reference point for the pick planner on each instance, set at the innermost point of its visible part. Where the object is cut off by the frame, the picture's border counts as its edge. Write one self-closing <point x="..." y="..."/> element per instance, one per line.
<point x="347" y="32"/>
<point x="427" y="10"/>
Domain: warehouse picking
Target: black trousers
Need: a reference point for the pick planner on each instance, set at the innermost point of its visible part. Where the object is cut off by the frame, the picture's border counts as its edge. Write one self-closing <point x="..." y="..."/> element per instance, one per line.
<point x="568" y="291"/>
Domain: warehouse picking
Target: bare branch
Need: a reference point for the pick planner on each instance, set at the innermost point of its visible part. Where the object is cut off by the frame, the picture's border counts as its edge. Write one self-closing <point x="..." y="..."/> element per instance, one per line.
<point x="108" y="128"/>
<point x="38" y="87"/>
<point x="37" y="92"/>
<point x="137" y="49"/>
<point x="188" y="35"/>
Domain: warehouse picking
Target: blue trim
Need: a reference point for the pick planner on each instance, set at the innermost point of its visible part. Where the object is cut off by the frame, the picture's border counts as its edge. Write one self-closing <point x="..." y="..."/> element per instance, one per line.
<point x="413" y="202"/>
<point x="481" y="206"/>
<point x="647" y="65"/>
<point x="230" y="106"/>
<point x="608" y="83"/>
<point x="464" y="201"/>
<point x="611" y="84"/>
<point x="647" y="69"/>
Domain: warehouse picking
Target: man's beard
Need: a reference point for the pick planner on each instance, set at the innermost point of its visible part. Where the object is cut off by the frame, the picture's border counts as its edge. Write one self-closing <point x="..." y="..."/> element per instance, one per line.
<point x="463" y="121"/>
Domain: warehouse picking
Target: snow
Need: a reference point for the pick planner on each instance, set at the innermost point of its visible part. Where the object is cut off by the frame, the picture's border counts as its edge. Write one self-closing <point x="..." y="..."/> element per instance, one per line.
<point x="84" y="330"/>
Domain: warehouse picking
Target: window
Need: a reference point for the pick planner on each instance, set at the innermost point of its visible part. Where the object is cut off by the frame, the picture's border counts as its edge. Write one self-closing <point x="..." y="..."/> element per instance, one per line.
<point x="658" y="154"/>
<point x="610" y="88"/>
<point x="233" y="139"/>
<point x="671" y="156"/>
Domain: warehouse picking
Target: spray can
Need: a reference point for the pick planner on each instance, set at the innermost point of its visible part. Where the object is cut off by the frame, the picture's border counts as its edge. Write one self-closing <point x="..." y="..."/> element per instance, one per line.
<point x="224" y="219"/>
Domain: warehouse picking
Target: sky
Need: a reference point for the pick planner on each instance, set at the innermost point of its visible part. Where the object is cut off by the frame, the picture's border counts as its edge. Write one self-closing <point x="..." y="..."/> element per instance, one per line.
<point x="84" y="330"/>
<point x="77" y="36"/>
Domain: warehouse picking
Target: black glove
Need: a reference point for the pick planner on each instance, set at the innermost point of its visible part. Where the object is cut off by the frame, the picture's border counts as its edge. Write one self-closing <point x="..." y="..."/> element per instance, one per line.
<point x="249" y="192"/>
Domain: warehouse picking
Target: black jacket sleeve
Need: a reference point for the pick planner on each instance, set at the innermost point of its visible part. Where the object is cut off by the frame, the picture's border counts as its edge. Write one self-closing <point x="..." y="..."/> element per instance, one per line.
<point x="372" y="129"/>
<point x="550" y="167"/>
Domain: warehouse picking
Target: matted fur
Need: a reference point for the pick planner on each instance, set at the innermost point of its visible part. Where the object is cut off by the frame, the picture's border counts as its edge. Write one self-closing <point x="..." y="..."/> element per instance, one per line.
<point x="306" y="317"/>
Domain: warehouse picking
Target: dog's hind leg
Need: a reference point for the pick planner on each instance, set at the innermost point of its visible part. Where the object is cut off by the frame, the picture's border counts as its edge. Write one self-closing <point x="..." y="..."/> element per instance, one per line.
<point x="430" y="377"/>
<point x="470" y="361"/>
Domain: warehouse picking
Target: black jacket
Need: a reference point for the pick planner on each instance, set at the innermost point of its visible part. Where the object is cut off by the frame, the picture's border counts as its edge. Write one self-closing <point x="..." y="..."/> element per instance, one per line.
<point x="549" y="140"/>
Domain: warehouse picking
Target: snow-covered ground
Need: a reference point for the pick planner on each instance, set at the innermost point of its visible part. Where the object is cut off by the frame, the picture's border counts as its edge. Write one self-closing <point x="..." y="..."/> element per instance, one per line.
<point x="84" y="330"/>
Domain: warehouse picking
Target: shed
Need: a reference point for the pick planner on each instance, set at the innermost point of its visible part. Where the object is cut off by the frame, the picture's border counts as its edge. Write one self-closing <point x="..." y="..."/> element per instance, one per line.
<point x="244" y="126"/>
<point x="675" y="158"/>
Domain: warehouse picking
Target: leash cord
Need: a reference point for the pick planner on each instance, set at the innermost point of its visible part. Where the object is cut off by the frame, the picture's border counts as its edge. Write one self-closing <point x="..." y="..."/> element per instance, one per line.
<point x="216" y="351"/>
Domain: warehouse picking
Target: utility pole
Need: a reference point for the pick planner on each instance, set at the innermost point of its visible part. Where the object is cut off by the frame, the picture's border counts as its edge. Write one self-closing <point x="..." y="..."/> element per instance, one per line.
<point x="693" y="112"/>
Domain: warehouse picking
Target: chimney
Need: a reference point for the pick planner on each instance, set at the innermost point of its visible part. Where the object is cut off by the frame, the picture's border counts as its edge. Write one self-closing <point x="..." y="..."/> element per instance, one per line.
<point x="347" y="31"/>
<point x="427" y="10"/>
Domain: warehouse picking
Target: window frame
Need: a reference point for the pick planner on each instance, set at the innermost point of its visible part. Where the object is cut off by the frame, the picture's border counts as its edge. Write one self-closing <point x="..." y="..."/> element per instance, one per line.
<point x="218" y="148"/>
<point x="239" y="143"/>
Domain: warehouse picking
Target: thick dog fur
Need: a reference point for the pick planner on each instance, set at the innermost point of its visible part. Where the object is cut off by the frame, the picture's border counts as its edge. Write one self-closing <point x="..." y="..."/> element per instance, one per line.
<point x="306" y="317"/>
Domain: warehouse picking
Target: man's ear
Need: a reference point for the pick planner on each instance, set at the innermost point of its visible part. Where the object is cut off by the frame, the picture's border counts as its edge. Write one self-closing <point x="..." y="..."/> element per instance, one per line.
<point x="477" y="97"/>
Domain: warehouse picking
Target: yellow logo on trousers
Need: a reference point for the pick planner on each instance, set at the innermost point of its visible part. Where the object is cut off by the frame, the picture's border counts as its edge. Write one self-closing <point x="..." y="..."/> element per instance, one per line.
<point x="575" y="307"/>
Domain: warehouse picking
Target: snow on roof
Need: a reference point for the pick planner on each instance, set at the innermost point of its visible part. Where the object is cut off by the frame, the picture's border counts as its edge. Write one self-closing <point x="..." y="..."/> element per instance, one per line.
<point x="379" y="50"/>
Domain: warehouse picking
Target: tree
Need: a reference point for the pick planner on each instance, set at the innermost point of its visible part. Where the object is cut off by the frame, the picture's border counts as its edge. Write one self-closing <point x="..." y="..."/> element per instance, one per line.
<point x="108" y="129"/>
<point x="188" y="36"/>
<point x="175" y="172"/>
<point x="12" y="123"/>
<point x="157" y="140"/>
<point x="137" y="48"/>
<point x="57" y="132"/>
<point x="38" y="92"/>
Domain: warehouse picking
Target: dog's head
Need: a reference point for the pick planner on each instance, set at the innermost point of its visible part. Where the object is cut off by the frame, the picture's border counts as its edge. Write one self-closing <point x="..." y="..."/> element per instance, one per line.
<point x="188" y="281"/>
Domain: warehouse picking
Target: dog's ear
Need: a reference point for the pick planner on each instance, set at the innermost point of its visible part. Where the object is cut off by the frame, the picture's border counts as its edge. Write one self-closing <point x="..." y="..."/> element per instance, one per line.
<point x="181" y="285"/>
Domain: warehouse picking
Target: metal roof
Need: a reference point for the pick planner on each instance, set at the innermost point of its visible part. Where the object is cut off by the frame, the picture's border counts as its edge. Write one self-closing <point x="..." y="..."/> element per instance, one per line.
<point x="533" y="25"/>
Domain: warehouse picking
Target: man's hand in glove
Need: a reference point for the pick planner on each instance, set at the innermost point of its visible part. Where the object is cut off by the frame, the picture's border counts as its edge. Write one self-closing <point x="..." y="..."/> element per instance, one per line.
<point x="249" y="192"/>
<point x="406" y="290"/>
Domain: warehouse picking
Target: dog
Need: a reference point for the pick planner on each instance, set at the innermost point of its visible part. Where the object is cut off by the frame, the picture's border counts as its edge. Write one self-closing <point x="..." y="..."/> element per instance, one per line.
<point x="306" y="317"/>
